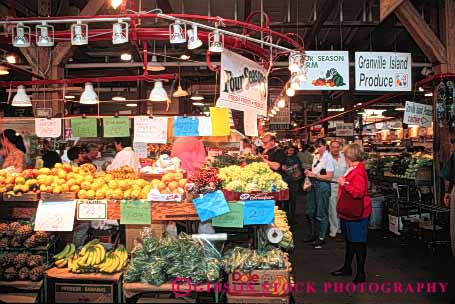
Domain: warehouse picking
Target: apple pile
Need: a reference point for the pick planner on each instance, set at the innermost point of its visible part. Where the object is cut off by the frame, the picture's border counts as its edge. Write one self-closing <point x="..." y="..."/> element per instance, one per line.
<point x="87" y="184"/>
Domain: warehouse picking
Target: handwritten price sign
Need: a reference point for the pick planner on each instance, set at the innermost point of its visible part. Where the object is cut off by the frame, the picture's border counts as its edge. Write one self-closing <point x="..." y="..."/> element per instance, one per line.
<point x="135" y="212"/>
<point x="116" y="127"/>
<point x="91" y="210"/>
<point x="48" y="127"/>
<point x="55" y="216"/>
<point x="258" y="212"/>
<point x="150" y="130"/>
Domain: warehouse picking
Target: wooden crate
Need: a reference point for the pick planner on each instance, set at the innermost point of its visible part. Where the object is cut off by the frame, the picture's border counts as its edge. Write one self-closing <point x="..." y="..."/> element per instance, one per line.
<point x="269" y="283"/>
<point x="26" y="197"/>
<point x="67" y="196"/>
<point x="282" y="195"/>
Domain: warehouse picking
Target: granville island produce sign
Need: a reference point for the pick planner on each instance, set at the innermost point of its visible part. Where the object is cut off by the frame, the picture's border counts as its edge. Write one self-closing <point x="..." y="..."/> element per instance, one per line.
<point x="243" y="84"/>
<point x="326" y="70"/>
<point x="383" y="71"/>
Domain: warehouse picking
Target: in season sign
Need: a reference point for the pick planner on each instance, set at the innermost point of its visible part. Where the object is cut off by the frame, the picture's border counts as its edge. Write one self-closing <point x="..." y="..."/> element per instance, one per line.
<point x="326" y="70"/>
<point x="383" y="71"/>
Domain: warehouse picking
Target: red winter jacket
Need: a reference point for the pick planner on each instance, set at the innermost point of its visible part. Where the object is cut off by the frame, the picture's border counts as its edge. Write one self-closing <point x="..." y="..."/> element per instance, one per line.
<point x="357" y="187"/>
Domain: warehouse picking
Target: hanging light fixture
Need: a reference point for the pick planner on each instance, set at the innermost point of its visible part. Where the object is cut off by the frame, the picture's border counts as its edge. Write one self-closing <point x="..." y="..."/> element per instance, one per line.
<point x="281" y="102"/>
<point x="89" y="96"/>
<point x="180" y="92"/>
<point x="290" y="92"/>
<point x="301" y="75"/>
<point x="158" y="93"/>
<point x="154" y="66"/>
<point x="119" y="32"/>
<point x="276" y="108"/>
<point x="295" y="61"/>
<point x="274" y="112"/>
<point x="185" y="56"/>
<point x="270" y="115"/>
<point x="21" y="99"/>
<point x="3" y="70"/>
<point x="11" y="59"/>
<point x="295" y="84"/>
<point x="177" y="33"/>
<point x="125" y="56"/>
<point x="21" y="38"/>
<point x="193" y="40"/>
<point x="79" y="33"/>
<point x="131" y="105"/>
<point x="70" y="96"/>
<point x="118" y="98"/>
<point x="216" y="42"/>
<point x="198" y="104"/>
<point x="43" y="38"/>
<point x="197" y="96"/>
<point x="116" y="3"/>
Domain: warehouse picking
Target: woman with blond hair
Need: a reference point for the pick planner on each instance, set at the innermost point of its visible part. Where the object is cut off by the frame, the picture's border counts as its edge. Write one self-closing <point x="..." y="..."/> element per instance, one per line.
<point x="354" y="209"/>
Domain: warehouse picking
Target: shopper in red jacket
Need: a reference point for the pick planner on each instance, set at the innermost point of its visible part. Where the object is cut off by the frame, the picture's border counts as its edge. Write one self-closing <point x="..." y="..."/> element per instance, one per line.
<point x="354" y="209"/>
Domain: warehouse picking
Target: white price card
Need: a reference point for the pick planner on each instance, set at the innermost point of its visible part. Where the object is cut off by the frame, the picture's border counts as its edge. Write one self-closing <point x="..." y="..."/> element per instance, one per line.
<point x="91" y="210"/>
<point x="45" y="127"/>
<point x="55" y="216"/>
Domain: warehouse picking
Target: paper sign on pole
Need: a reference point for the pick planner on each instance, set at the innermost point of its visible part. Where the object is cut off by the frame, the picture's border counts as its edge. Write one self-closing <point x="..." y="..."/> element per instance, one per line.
<point x="382" y="71"/>
<point x="186" y="126"/>
<point x="116" y="126"/>
<point x="48" y="127"/>
<point x="150" y="130"/>
<point x="418" y="114"/>
<point x="135" y="212"/>
<point x="233" y="219"/>
<point x="220" y="121"/>
<point x="344" y="129"/>
<point x="326" y="70"/>
<point x="250" y="123"/>
<point x="84" y="127"/>
<point x="243" y="84"/>
<point x="205" y="126"/>
<point x="55" y="216"/>
<point x="258" y="212"/>
<point x="88" y="210"/>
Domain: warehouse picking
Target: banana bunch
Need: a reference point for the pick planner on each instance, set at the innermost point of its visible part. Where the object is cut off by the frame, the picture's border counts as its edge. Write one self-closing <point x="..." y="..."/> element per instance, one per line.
<point x="115" y="261"/>
<point x="61" y="258"/>
<point x="281" y="223"/>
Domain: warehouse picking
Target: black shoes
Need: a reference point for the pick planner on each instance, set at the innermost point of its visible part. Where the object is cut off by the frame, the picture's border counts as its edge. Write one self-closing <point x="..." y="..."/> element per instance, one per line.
<point x="342" y="272"/>
<point x="309" y="240"/>
<point x="318" y="244"/>
<point x="360" y="278"/>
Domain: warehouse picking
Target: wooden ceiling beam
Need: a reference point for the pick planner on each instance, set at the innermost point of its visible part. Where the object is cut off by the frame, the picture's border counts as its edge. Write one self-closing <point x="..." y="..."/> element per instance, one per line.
<point x="323" y="12"/>
<point x="421" y="32"/>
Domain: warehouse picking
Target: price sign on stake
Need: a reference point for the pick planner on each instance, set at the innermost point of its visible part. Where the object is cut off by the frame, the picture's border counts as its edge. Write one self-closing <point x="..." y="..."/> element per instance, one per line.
<point x="91" y="210"/>
<point x="258" y="212"/>
<point x="55" y="216"/>
<point x="211" y="205"/>
<point x="135" y="212"/>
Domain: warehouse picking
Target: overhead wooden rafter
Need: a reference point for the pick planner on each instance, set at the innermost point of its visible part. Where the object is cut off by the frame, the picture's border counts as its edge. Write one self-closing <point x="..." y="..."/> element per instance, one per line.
<point x="421" y="32"/>
<point x="323" y="12"/>
<point x="387" y="7"/>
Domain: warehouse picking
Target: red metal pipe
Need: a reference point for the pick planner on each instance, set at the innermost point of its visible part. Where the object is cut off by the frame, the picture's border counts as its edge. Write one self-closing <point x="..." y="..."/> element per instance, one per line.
<point x="356" y="108"/>
<point x="88" y="79"/>
<point x="211" y="67"/>
<point x="22" y="70"/>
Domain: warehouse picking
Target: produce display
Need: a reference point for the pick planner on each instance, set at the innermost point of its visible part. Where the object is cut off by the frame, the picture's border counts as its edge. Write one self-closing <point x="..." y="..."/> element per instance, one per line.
<point x="21" y="266"/>
<point x="226" y="160"/>
<point x="162" y="165"/>
<point x="246" y="260"/>
<point x="405" y="166"/>
<point x="205" y="181"/>
<point x="92" y="258"/>
<point x="281" y="223"/>
<point x="158" y="261"/>
<point x="170" y="183"/>
<point x="253" y="177"/>
<point x="17" y="235"/>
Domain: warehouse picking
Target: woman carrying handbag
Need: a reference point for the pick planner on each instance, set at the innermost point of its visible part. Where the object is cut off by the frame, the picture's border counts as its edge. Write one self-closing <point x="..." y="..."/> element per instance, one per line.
<point x="354" y="209"/>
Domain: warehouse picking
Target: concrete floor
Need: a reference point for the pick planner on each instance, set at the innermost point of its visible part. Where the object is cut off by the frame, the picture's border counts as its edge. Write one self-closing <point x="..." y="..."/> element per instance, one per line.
<point x="388" y="260"/>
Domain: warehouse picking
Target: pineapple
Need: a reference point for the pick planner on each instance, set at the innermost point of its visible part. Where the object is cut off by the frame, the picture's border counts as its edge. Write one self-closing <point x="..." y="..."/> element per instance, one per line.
<point x="3" y="242"/>
<point x="10" y="274"/>
<point x="12" y="228"/>
<point x="24" y="232"/>
<point x="23" y="273"/>
<point x="14" y="242"/>
<point x="21" y="260"/>
<point x="3" y="229"/>
<point x="34" y="260"/>
<point x="3" y="261"/>
<point x="9" y="259"/>
<point x="42" y="237"/>
<point x="36" y="273"/>
<point x="31" y="242"/>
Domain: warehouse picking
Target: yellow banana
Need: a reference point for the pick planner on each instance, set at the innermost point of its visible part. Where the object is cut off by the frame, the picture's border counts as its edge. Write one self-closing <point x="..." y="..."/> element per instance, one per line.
<point x="114" y="264"/>
<point x="61" y="263"/>
<point x="107" y="264"/>
<point x="97" y="255"/>
<point x="102" y="252"/>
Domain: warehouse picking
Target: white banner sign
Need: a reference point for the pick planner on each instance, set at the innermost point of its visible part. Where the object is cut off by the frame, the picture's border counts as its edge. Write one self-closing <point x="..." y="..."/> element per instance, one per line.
<point x="344" y="128"/>
<point x="418" y="114"/>
<point x="250" y="123"/>
<point x="243" y="84"/>
<point x="45" y="127"/>
<point x="150" y="130"/>
<point x="383" y="71"/>
<point x="326" y="70"/>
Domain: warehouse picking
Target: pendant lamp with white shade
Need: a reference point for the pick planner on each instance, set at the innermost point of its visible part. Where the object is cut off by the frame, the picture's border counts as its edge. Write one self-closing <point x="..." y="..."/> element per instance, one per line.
<point x="158" y="93"/>
<point x="21" y="99"/>
<point x="89" y="96"/>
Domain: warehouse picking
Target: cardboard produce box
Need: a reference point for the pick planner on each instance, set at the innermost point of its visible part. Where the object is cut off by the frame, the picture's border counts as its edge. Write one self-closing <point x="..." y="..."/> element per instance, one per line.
<point x="245" y="299"/>
<point x="271" y="283"/>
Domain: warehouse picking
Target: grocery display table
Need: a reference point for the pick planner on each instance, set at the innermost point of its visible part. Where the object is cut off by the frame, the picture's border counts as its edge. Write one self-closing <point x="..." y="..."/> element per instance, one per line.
<point x="61" y="286"/>
<point x="132" y="290"/>
<point x="21" y="292"/>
